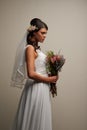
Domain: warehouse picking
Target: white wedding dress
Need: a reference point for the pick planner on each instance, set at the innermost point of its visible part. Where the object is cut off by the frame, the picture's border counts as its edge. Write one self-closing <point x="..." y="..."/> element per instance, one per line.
<point x="34" y="110"/>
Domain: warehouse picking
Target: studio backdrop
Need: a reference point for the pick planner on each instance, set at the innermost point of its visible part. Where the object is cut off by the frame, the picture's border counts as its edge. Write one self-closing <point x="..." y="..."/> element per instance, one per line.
<point x="67" y="23"/>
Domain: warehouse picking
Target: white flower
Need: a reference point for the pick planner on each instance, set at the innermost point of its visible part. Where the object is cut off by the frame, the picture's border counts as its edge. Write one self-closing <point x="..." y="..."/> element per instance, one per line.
<point x="32" y="28"/>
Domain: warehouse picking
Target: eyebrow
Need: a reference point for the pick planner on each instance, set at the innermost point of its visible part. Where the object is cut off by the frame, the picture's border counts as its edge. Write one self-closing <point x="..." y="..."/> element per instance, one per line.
<point x="43" y="32"/>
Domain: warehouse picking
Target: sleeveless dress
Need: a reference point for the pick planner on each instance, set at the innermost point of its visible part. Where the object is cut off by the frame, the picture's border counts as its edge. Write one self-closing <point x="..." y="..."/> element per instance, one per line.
<point x="34" y="109"/>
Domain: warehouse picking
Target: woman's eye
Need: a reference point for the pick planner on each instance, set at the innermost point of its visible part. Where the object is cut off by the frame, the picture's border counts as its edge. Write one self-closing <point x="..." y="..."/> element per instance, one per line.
<point x="43" y="32"/>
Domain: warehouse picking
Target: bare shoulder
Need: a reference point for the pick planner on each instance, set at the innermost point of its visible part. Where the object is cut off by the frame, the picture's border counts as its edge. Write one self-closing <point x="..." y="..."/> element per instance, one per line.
<point x="30" y="51"/>
<point x="29" y="48"/>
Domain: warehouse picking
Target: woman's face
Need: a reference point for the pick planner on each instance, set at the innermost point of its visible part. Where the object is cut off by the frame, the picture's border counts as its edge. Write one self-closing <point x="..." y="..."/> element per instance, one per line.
<point x="40" y="35"/>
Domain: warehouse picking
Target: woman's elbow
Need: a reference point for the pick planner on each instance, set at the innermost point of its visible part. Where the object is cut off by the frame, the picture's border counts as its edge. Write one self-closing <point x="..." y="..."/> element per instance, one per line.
<point x="31" y="75"/>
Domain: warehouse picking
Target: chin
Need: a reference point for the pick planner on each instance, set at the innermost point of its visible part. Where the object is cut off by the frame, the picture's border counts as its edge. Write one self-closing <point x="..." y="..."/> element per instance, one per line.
<point x="42" y="41"/>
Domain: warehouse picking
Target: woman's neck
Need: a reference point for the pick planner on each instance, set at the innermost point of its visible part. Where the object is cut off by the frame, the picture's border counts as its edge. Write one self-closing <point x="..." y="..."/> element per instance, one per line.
<point x="34" y="42"/>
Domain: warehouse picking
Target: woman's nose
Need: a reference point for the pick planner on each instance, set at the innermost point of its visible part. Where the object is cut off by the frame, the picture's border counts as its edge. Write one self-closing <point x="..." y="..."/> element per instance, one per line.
<point x="44" y="35"/>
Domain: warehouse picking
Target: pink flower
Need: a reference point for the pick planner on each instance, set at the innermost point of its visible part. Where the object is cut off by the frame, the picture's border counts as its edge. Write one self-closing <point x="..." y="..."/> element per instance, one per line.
<point x="58" y="58"/>
<point x="53" y="59"/>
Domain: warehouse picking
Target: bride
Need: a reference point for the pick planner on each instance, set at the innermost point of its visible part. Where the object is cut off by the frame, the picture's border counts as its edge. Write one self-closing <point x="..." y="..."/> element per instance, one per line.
<point x="34" y="109"/>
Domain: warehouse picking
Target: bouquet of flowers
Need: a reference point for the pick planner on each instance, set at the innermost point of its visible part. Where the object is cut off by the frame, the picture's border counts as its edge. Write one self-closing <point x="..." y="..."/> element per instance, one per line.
<point x="54" y="63"/>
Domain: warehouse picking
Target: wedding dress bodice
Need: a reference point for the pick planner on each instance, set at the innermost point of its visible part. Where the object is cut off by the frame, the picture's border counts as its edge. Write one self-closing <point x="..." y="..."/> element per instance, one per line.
<point x="40" y="63"/>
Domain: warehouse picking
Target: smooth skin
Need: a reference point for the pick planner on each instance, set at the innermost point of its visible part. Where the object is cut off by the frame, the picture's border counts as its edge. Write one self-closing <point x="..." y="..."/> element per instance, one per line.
<point x="31" y="55"/>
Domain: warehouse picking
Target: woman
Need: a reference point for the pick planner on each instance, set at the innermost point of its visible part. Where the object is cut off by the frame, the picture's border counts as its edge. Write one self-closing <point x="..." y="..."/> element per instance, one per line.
<point x="34" y="111"/>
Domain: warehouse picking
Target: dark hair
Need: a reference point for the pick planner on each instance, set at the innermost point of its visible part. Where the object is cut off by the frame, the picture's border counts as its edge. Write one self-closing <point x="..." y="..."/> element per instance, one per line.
<point x="38" y="24"/>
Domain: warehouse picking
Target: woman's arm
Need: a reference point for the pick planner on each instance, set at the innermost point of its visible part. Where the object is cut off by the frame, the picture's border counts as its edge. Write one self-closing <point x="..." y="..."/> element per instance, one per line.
<point x="30" y="61"/>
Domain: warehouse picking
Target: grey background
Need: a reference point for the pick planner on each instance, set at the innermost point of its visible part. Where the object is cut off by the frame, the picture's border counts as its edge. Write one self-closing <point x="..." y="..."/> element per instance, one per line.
<point x="67" y="22"/>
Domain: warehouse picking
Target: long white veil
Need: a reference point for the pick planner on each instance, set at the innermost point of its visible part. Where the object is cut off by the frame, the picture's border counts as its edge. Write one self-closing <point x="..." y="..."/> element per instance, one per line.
<point x="19" y="70"/>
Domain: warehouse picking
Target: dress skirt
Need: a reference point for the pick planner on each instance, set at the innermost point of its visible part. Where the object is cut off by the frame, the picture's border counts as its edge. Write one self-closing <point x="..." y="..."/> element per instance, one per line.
<point x="34" y="109"/>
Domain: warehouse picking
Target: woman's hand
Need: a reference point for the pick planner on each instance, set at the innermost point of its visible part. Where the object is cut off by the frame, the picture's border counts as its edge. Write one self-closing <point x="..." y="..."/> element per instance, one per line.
<point x="53" y="79"/>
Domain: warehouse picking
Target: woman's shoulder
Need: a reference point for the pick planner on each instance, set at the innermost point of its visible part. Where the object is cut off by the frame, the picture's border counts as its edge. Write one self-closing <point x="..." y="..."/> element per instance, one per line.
<point x="30" y="50"/>
<point x="29" y="47"/>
